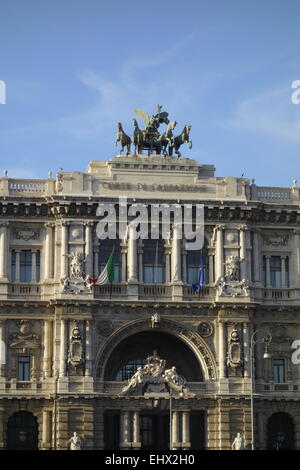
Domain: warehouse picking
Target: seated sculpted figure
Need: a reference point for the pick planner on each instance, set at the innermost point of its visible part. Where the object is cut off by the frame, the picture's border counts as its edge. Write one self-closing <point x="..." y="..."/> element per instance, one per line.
<point x="135" y="380"/>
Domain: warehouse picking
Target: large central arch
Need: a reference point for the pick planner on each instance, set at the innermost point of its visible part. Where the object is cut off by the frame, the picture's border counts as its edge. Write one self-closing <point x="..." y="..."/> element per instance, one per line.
<point x="190" y="337"/>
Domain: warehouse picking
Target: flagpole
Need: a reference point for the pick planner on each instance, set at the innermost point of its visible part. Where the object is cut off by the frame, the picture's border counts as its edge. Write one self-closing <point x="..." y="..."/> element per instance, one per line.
<point x="201" y="266"/>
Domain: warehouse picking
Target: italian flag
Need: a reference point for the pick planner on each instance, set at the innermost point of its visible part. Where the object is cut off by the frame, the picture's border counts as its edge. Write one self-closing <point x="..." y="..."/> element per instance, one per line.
<point x="108" y="273"/>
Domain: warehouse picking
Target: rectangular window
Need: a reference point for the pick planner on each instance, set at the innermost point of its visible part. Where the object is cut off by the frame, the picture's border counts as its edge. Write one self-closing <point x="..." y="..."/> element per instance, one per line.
<point x="275" y="272"/>
<point x="25" y="265"/>
<point x="25" y="268"/>
<point x="278" y="371"/>
<point x="13" y="265"/>
<point x="24" y="368"/>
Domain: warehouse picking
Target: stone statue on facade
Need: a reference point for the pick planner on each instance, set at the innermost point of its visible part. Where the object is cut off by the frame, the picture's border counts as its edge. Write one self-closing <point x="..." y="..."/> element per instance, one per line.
<point x="75" y="441"/>
<point x="78" y="282"/>
<point x="155" y="378"/>
<point x="76" y="264"/>
<point x="230" y="285"/>
<point x="238" y="443"/>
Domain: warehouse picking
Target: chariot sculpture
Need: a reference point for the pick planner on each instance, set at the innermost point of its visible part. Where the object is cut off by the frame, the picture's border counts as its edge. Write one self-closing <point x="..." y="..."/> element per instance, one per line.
<point x="150" y="139"/>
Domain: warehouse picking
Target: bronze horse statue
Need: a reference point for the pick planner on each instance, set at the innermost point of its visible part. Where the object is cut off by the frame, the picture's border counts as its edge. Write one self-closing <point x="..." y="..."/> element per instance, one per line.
<point x="124" y="139"/>
<point x="138" y="137"/>
<point x="167" y="138"/>
<point x="184" y="137"/>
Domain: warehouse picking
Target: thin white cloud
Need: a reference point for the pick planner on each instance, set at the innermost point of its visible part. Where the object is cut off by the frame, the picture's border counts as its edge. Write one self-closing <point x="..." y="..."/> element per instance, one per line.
<point x="271" y="113"/>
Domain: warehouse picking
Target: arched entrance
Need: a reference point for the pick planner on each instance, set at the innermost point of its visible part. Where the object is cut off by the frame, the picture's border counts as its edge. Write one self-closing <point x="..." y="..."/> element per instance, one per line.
<point x="22" y="431"/>
<point x="280" y="432"/>
<point x="143" y="419"/>
<point x="133" y="351"/>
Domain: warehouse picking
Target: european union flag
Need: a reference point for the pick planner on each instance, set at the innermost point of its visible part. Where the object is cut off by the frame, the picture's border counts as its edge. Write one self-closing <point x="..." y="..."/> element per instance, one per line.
<point x="201" y="276"/>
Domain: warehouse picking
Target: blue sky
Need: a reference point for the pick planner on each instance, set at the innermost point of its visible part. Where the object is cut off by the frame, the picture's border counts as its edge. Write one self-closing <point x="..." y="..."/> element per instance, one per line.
<point x="73" y="69"/>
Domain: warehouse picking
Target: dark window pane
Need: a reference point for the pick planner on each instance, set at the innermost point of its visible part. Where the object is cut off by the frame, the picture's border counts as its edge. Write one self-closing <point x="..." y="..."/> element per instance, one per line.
<point x="24" y="368"/>
<point x="278" y="370"/>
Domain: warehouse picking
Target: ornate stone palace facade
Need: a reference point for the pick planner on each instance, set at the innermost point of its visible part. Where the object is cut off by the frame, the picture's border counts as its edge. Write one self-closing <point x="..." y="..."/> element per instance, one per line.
<point x="100" y="360"/>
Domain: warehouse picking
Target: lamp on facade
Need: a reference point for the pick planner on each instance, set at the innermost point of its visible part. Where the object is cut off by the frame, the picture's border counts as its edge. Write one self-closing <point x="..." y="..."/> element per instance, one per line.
<point x="266" y="339"/>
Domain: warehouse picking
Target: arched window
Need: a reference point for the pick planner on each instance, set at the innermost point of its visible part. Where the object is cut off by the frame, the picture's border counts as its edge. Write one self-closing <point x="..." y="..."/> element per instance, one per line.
<point x="154" y="262"/>
<point x="106" y="247"/>
<point x="195" y="259"/>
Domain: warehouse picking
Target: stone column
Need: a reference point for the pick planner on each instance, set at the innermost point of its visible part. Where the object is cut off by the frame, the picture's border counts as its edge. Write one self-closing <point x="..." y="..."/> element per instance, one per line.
<point x="3" y="250"/>
<point x="136" y="430"/>
<point x="222" y="354"/>
<point x="219" y="253"/>
<point x="268" y="272"/>
<point x="132" y="256"/>
<point x="46" y="435"/>
<point x="125" y="430"/>
<point x="2" y="349"/>
<point x="49" y="251"/>
<point x="33" y="265"/>
<point x="63" y="349"/>
<point x="168" y="263"/>
<point x="123" y="261"/>
<point x="64" y="249"/>
<point x="48" y="348"/>
<point x="256" y="264"/>
<point x="88" y="349"/>
<point x="175" y="429"/>
<point x="17" y="276"/>
<point x="296" y="261"/>
<point x="176" y="255"/>
<point x="186" y="430"/>
<point x="283" y="280"/>
<point x="89" y="248"/>
<point x="210" y="266"/>
<point x="243" y="254"/>
<point x="140" y="249"/>
<point x="96" y="262"/>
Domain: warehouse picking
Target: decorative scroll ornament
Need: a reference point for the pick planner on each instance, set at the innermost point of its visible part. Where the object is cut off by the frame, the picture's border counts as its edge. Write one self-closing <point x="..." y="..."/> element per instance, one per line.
<point x="76" y="355"/>
<point x="205" y="329"/>
<point x="154" y="378"/>
<point x="26" y="235"/>
<point x="234" y="356"/>
<point x="105" y="328"/>
<point x="275" y="239"/>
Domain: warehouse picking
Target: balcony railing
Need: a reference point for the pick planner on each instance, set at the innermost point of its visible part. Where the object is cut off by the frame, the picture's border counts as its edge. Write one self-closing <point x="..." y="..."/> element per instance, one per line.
<point x="17" y="186"/>
<point x="110" y="290"/>
<point x="206" y="293"/>
<point x="155" y="290"/>
<point x="24" y="290"/>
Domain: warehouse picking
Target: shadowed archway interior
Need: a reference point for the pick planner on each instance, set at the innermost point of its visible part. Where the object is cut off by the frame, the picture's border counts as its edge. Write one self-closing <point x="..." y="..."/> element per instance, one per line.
<point x="132" y="351"/>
